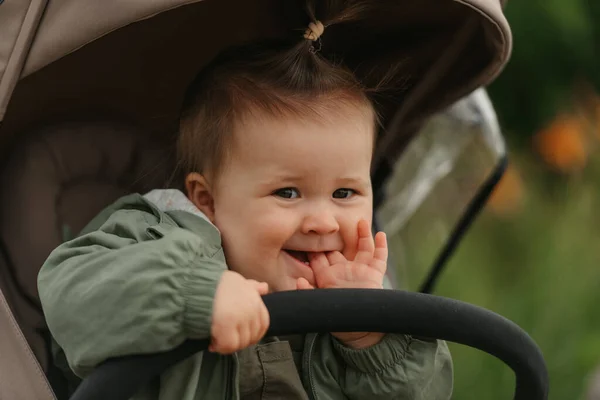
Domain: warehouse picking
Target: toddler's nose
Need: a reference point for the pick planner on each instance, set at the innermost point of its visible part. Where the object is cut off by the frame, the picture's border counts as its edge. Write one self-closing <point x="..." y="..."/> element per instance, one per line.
<point x="321" y="223"/>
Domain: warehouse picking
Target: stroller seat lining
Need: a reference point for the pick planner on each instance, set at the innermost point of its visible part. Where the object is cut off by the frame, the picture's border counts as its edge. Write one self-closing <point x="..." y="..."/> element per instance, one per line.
<point x="52" y="184"/>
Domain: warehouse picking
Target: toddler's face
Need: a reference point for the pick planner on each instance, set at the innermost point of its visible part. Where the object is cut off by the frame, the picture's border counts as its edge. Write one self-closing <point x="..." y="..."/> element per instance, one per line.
<point x="293" y="186"/>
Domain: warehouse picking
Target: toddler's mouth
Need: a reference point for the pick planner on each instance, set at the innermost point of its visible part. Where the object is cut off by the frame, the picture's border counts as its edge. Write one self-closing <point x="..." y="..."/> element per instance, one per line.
<point x="301" y="256"/>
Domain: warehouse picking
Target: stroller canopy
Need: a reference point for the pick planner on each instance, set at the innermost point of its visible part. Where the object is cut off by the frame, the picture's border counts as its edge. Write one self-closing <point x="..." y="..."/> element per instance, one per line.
<point x="136" y="57"/>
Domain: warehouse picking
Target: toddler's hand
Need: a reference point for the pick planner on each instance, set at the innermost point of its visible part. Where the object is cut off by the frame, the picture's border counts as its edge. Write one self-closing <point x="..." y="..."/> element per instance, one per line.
<point x="367" y="271"/>
<point x="240" y="317"/>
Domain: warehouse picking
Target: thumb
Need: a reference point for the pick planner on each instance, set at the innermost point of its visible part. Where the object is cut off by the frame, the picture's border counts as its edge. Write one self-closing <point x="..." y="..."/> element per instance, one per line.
<point x="261" y="287"/>
<point x="303" y="284"/>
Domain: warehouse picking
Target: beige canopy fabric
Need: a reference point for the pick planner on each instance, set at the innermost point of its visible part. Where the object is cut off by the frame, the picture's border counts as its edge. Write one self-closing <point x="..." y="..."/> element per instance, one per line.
<point x="18" y="23"/>
<point x="134" y="58"/>
<point x="67" y="26"/>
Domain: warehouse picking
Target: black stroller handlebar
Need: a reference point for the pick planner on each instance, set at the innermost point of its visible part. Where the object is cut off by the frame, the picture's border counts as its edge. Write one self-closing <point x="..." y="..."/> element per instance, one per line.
<point x="361" y="310"/>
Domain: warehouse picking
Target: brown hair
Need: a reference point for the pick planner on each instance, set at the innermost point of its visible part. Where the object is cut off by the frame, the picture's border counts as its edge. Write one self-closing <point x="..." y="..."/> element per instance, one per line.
<point x="277" y="78"/>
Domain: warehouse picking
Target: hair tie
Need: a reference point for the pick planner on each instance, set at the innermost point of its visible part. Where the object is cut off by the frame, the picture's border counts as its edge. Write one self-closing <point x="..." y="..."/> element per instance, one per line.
<point x="314" y="31"/>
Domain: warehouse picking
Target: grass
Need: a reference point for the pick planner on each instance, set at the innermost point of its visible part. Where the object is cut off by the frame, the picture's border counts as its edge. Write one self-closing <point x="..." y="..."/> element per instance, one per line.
<point x="539" y="267"/>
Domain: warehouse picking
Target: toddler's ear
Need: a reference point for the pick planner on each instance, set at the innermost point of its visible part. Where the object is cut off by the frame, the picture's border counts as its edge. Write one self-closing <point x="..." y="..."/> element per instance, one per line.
<point x="199" y="193"/>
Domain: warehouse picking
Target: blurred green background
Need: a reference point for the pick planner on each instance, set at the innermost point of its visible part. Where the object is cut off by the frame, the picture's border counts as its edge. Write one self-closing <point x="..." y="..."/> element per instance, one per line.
<point x="540" y="268"/>
<point x="534" y="254"/>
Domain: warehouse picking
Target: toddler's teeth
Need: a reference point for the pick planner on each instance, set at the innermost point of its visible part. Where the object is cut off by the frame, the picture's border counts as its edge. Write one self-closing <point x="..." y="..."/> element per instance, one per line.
<point x="306" y="262"/>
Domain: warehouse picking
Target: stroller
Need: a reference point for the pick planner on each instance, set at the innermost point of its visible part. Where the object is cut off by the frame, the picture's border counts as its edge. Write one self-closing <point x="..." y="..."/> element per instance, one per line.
<point x="89" y="101"/>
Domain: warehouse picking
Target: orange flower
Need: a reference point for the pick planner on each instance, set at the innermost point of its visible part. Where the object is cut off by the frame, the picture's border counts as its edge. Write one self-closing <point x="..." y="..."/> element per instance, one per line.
<point x="562" y="144"/>
<point x="507" y="196"/>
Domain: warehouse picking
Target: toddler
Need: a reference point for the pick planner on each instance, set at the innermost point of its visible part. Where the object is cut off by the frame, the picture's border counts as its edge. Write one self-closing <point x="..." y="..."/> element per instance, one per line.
<point x="275" y="151"/>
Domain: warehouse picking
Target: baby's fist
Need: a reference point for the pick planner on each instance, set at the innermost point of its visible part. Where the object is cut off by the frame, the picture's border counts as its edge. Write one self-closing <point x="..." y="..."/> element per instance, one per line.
<point x="240" y="317"/>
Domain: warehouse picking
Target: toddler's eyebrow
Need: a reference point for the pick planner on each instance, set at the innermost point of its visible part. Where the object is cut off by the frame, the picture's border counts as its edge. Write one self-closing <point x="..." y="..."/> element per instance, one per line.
<point x="353" y="181"/>
<point x="281" y="177"/>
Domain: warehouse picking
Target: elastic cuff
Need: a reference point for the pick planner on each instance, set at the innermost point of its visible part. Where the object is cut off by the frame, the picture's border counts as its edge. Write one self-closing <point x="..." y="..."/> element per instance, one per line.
<point x="198" y="292"/>
<point x="391" y="350"/>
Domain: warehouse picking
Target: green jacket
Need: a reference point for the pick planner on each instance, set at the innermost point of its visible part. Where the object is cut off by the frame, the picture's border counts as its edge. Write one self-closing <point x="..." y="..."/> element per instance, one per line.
<point x="140" y="280"/>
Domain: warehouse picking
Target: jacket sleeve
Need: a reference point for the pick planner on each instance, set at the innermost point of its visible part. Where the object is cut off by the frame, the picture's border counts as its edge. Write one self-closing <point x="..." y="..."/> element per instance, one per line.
<point x="399" y="367"/>
<point x="129" y="287"/>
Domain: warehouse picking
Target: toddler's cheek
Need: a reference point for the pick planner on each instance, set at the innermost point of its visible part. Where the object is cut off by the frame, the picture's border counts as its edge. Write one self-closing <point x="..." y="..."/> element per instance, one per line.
<point x="274" y="229"/>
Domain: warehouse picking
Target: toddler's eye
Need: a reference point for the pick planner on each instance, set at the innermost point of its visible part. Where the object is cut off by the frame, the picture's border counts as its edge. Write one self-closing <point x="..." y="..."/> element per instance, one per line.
<point x="343" y="193"/>
<point x="287" y="193"/>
